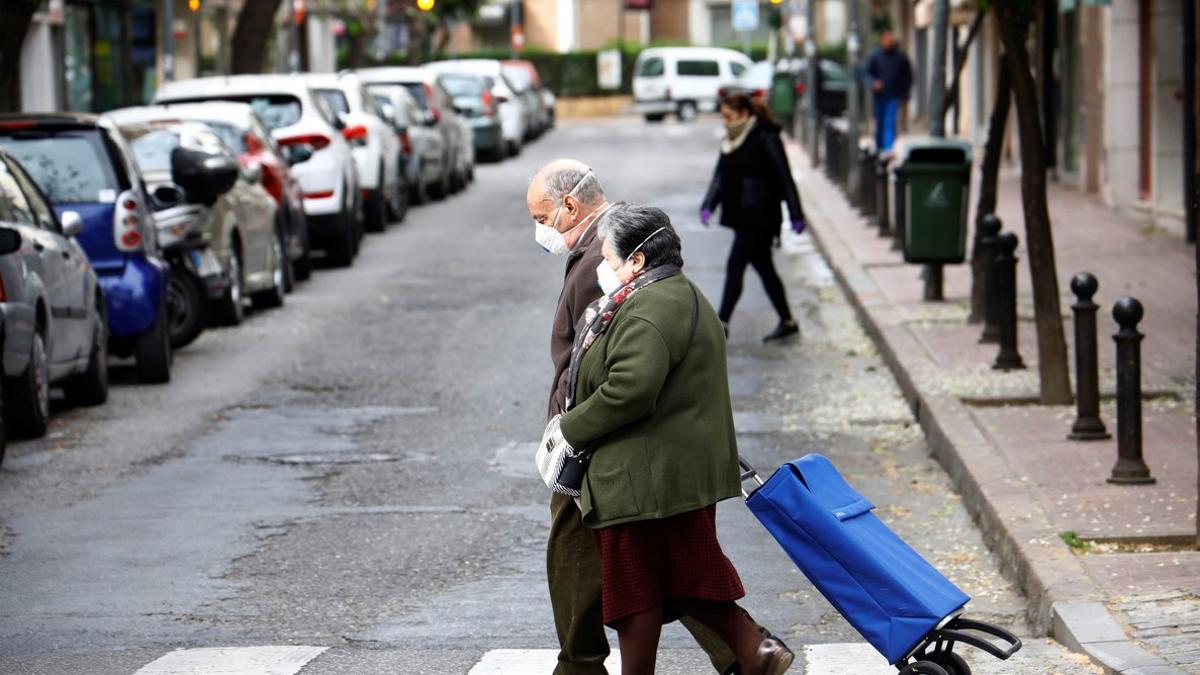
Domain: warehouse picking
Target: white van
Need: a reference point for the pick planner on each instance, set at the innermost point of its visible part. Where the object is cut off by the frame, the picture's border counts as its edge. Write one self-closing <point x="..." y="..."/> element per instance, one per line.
<point x="683" y="80"/>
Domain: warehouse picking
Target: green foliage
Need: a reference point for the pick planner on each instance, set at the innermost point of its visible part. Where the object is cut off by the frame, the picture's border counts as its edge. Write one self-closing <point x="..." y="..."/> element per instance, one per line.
<point x="1071" y="538"/>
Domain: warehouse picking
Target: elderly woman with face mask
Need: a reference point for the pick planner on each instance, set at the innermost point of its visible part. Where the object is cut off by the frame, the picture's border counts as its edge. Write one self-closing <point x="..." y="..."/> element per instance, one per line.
<point x="650" y="400"/>
<point x="751" y="180"/>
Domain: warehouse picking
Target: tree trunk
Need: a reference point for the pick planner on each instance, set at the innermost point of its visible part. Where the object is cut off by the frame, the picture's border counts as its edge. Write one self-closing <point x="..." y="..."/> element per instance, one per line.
<point x="960" y="60"/>
<point x="988" y="184"/>
<point x="1055" y="382"/>
<point x="254" y="22"/>
<point x="443" y="38"/>
<point x="12" y="37"/>
<point x="418" y="30"/>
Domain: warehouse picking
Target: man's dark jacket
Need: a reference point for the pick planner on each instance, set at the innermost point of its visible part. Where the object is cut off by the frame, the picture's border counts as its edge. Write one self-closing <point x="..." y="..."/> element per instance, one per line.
<point x="580" y="289"/>
<point x="751" y="182"/>
<point x="891" y="67"/>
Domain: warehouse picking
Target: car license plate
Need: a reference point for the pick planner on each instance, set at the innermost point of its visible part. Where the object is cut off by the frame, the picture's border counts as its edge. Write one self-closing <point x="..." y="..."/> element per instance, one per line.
<point x="205" y="261"/>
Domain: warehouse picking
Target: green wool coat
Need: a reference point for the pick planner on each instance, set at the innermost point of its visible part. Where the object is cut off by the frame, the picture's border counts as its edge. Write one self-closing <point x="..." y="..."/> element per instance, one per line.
<point x="655" y="408"/>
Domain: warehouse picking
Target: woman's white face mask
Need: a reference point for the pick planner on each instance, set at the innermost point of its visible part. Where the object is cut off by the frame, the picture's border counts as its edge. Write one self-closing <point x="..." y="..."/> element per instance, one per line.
<point x="609" y="277"/>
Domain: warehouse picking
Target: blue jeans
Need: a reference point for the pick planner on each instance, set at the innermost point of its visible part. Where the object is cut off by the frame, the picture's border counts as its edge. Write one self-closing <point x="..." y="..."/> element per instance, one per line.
<point x="887" y="109"/>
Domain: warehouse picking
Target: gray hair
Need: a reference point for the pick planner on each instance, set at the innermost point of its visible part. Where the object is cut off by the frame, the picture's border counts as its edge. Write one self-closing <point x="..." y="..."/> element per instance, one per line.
<point x="629" y="226"/>
<point x="560" y="183"/>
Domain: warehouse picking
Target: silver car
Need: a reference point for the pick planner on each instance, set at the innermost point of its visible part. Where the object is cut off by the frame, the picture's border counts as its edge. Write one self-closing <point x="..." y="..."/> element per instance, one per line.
<point x="51" y="307"/>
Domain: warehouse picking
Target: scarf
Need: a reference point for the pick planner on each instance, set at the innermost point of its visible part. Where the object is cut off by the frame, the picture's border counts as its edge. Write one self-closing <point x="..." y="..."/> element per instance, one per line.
<point x="598" y="315"/>
<point x="736" y="133"/>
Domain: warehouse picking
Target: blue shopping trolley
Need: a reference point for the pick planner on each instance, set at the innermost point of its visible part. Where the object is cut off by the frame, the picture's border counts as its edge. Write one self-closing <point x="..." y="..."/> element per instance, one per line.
<point x="896" y="600"/>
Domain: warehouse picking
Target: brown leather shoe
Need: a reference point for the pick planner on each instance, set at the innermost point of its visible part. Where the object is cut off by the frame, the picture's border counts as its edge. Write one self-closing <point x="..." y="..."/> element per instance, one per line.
<point x="774" y="658"/>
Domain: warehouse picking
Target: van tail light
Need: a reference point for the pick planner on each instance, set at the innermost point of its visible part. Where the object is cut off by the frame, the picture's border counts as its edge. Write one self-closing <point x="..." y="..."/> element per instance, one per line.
<point x="759" y="94"/>
<point x="488" y="105"/>
<point x="405" y="142"/>
<point x="800" y="88"/>
<point x="357" y="135"/>
<point x="324" y="194"/>
<point x="3" y="291"/>
<point x="722" y="92"/>
<point x="127" y="223"/>
<point x="317" y="141"/>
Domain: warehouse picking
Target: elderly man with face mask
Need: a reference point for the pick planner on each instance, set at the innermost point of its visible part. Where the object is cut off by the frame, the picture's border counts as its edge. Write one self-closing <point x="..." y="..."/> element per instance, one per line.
<point x="566" y="202"/>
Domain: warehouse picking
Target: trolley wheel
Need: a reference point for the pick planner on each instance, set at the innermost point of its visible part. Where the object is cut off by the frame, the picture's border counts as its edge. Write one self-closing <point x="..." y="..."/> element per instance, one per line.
<point x="954" y="664"/>
<point x="924" y="668"/>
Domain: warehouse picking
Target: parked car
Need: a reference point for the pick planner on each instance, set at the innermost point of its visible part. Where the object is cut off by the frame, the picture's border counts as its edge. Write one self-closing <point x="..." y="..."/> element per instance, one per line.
<point x="263" y="161"/>
<point x="683" y="80"/>
<point x="373" y="142"/>
<point x="471" y="96"/>
<point x="514" y="114"/>
<point x="422" y="147"/>
<point x="435" y="103"/>
<point x="84" y="166"/>
<point x="524" y="76"/>
<point x="312" y="141"/>
<point x="240" y="217"/>
<point x="53" y="327"/>
<point x="832" y="78"/>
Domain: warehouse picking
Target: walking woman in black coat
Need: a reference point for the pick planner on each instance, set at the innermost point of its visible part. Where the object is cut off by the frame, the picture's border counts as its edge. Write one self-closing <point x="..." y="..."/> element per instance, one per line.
<point x="751" y="180"/>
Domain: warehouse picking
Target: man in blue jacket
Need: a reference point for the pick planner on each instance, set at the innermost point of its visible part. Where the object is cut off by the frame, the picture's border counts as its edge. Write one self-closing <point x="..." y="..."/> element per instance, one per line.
<point x="890" y="76"/>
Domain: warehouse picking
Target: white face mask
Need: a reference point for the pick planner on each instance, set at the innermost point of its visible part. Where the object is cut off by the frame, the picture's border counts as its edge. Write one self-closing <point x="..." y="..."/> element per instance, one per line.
<point x="607" y="276"/>
<point x="547" y="236"/>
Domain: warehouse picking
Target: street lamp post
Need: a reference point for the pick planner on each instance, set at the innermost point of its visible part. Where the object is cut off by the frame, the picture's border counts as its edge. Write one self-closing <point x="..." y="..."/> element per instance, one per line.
<point x="168" y="40"/>
<point x="293" y="57"/>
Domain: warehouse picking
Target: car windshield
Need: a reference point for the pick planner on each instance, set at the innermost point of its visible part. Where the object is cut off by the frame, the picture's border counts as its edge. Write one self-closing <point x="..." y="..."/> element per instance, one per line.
<point x="518" y="77"/>
<point x="275" y="110"/>
<point x="651" y="67"/>
<point x="458" y="85"/>
<point x="335" y="100"/>
<point x="151" y="146"/>
<point x="417" y="90"/>
<point x="70" y="167"/>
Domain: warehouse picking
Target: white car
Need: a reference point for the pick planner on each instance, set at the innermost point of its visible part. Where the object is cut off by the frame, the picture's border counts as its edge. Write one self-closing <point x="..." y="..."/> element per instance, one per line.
<point x="683" y="80"/>
<point x="311" y="137"/>
<point x="423" y="146"/>
<point x="374" y="144"/>
<point x="515" y="117"/>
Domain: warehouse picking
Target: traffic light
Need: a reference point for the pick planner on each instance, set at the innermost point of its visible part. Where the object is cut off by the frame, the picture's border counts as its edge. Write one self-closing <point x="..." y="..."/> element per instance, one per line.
<point x="776" y="2"/>
<point x="194" y="5"/>
<point x="426" y="5"/>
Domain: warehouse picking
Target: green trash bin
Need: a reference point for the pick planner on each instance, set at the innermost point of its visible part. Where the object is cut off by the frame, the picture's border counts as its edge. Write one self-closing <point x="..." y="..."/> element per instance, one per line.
<point x="937" y="175"/>
<point x="783" y="96"/>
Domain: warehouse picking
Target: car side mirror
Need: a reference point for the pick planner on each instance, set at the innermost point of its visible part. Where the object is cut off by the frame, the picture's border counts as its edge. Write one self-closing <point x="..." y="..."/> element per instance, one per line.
<point x="253" y="173"/>
<point x="72" y="224"/>
<point x="204" y="176"/>
<point x="166" y="196"/>
<point x="430" y="119"/>
<point x="10" y="241"/>
<point x="339" y="122"/>
<point x="387" y="110"/>
<point x="296" y="154"/>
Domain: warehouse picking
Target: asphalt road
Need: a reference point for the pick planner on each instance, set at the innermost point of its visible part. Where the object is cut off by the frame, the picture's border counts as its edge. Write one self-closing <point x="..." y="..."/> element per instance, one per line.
<point x="354" y="472"/>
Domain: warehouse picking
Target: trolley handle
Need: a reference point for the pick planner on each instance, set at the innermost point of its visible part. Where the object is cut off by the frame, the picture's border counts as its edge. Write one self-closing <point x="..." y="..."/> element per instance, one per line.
<point x="954" y="632"/>
<point x="748" y="473"/>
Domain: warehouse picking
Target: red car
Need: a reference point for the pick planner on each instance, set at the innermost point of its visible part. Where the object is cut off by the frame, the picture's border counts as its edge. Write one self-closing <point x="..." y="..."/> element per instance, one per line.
<point x="262" y="159"/>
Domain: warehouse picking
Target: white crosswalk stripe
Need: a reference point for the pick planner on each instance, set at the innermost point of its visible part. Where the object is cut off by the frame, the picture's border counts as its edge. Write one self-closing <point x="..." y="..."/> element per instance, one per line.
<point x="825" y="659"/>
<point x="233" y="661"/>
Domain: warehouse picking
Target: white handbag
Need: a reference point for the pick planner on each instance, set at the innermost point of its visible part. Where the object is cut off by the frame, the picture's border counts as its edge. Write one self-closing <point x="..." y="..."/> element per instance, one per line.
<point x="561" y="466"/>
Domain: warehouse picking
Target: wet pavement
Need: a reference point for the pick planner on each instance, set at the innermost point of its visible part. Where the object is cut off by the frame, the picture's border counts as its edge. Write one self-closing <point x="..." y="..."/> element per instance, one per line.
<point x="354" y="471"/>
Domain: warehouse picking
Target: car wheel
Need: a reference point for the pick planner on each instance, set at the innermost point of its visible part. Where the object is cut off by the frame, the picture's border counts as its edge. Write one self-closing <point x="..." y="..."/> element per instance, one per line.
<point x="274" y="296"/>
<point x="655" y="117"/>
<point x="229" y="309"/>
<point x="153" y="351"/>
<point x="376" y="213"/>
<point x="514" y="148"/>
<point x="27" y="397"/>
<point x="420" y="189"/>
<point x="187" y="307"/>
<point x="302" y="266"/>
<point x="687" y="111"/>
<point x="398" y="204"/>
<point x="91" y="386"/>
<point x="340" y="247"/>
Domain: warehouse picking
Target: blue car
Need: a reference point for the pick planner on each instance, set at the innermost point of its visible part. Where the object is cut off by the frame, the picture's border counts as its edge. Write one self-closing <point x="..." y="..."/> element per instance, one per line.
<point x="83" y="165"/>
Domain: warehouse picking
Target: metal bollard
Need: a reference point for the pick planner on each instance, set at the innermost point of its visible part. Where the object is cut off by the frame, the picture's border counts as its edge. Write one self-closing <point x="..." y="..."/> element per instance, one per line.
<point x="1130" y="468"/>
<point x="882" y="206"/>
<point x="1004" y="274"/>
<point x="989" y="230"/>
<point x="866" y="182"/>
<point x="1088" y="426"/>
<point x="900" y="217"/>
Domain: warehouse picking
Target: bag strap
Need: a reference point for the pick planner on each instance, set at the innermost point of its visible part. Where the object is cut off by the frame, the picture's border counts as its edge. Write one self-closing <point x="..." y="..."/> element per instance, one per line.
<point x="695" y="313"/>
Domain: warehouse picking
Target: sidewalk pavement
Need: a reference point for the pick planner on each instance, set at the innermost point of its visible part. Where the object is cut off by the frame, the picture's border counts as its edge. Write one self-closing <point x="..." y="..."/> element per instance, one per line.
<point x="1128" y="593"/>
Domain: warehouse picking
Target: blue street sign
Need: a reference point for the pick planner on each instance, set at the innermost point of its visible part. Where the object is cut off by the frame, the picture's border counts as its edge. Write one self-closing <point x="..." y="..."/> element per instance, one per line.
<point x="745" y="15"/>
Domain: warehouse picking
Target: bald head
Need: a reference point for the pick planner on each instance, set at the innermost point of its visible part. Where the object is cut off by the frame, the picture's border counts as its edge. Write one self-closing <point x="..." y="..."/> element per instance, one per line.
<point x="567" y="184"/>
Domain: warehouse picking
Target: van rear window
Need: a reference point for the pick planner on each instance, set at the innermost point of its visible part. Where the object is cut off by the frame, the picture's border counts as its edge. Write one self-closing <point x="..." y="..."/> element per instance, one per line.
<point x="698" y="68"/>
<point x="651" y="67"/>
<point x="70" y="167"/>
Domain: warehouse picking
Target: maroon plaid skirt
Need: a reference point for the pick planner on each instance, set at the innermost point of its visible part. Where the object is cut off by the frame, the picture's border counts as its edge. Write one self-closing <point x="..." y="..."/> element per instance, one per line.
<point x="646" y="563"/>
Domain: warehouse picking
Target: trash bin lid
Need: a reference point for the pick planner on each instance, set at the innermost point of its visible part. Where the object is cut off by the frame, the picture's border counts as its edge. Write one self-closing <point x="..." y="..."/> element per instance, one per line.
<point x="936" y="151"/>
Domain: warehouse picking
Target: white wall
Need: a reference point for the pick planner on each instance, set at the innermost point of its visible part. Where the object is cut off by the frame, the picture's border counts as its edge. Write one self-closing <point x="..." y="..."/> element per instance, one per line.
<point x="1121" y="146"/>
<point x="39" y="69"/>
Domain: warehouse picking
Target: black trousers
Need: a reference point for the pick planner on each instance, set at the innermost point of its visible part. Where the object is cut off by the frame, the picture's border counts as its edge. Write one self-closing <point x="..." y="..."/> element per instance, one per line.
<point x="753" y="247"/>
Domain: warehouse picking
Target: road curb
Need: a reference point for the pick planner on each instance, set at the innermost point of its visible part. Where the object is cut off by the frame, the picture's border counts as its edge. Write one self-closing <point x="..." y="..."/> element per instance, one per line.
<point x="1062" y="599"/>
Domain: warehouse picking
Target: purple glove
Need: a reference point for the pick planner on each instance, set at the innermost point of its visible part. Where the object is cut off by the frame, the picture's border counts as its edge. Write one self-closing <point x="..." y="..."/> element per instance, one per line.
<point x="705" y="216"/>
<point x="798" y="225"/>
